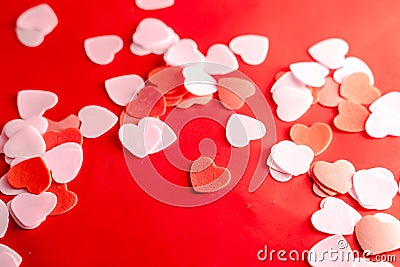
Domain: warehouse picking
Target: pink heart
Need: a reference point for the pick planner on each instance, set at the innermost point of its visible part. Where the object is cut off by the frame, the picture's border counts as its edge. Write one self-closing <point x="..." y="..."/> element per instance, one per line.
<point x="330" y="52"/>
<point x="197" y="81"/>
<point x="242" y="129"/>
<point x="3" y="140"/>
<point x="30" y="38"/>
<point x="35" y="102"/>
<point x="27" y="142"/>
<point x="64" y="162"/>
<point x="3" y="219"/>
<point x="15" y="255"/>
<point x="7" y="260"/>
<point x="13" y="126"/>
<point x="102" y="49"/>
<point x="221" y="59"/>
<point x="183" y="52"/>
<point x="252" y="48"/>
<point x="154" y="4"/>
<point x="7" y="189"/>
<point x="40" y="18"/>
<point x="31" y="210"/>
<point x="122" y="89"/>
<point x="96" y="121"/>
<point x="310" y="73"/>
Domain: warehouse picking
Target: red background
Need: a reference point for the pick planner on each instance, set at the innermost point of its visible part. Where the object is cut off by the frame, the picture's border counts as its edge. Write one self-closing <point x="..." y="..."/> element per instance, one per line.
<point x="115" y="223"/>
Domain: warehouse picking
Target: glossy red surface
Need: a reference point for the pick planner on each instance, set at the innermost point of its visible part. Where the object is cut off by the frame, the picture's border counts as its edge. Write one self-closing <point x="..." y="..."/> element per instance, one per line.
<point x="117" y="224"/>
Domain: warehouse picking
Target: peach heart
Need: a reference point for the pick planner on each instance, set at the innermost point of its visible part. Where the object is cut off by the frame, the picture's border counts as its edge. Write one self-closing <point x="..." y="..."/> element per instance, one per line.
<point x="206" y="177"/>
<point x="154" y="4"/>
<point x="96" y="121"/>
<point x="153" y="35"/>
<point x="318" y="256"/>
<point x="335" y="217"/>
<point x="336" y="176"/>
<point x="220" y="60"/>
<point x="352" y="65"/>
<point x="352" y="117"/>
<point x="4" y="218"/>
<point x="66" y="199"/>
<point x="55" y="138"/>
<point x="330" y="52"/>
<point x="64" y="161"/>
<point x="315" y="93"/>
<point x="241" y="129"/>
<point x="198" y="81"/>
<point x="357" y="88"/>
<point x="183" y="52"/>
<point x="40" y="18"/>
<point x="252" y="48"/>
<point x="376" y="236"/>
<point x="317" y="137"/>
<point x="13" y="126"/>
<point x="122" y="89"/>
<point x="72" y="121"/>
<point x="233" y="91"/>
<point x="35" y="102"/>
<point x="149" y="102"/>
<point x="287" y="79"/>
<point x="27" y="142"/>
<point x="318" y="191"/>
<point x="310" y="73"/>
<point x="31" y="210"/>
<point x="31" y="174"/>
<point x="102" y="49"/>
<point x="329" y="95"/>
<point x="7" y="260"/>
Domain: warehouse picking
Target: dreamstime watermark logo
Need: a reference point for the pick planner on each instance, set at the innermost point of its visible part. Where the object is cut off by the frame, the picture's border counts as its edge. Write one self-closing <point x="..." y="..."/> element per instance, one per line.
<point x="145" y="172"/>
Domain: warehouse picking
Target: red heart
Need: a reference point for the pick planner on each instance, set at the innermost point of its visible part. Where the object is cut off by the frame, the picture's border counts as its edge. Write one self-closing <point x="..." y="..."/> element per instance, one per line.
<point x="55" y="138"/>
<point x="148" y="103"/>
<point x="66" y="199"/>
<point x="31" y="174"/>
<point x="206" y="177"/>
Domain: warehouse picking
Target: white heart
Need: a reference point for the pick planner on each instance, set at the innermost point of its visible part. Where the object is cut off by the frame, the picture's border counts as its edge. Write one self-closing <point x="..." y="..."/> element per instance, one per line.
<point x="388" y="218"/>
<point x="4" y="218"/>
<point x="7" y="260"/>
<point x="13" y="126"/>
<point x="27" y="142"/>
<point x="330" y="52"/>
<point x="138" y="50"/>
<point x="3" y="140"/>
<point x="241" y="129"/>
<point x="287" y="80"/>
<point x="221" y="60"/>
<point x="96" y="121"/>
<point x="310" y="73"/>
<point x="102" y="49"/>
<point x="352" y="65"/>
<point x="64" y="162"/>
<point x="40" y="18"/>
<point x="198" y="81"/>
<point x="390" y="100"/>
<point x="15" y="255"/>
<point x="183" y="52"/>
<point x="35" y="102"/>
<point x="280" y="176"/>
<point x="382" y="122"/>
<point x="30" y="38"/>
<point x="252" y="48"/>
<point x="154" y="4"/>
<point x="168" y="136"/>
<point x="7" y="189"/>
<point x="121" y="89"/>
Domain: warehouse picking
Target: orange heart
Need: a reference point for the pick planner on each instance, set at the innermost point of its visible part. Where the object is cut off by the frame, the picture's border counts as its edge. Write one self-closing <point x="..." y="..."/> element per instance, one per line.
<point x="337" y="176"/>
<point x="66" y="199"/>
<point x="149" y="102"/>
<point x="72" y="121"/>
<point x="376" y="236"/>
<point x="206" y="177"/>
<point x="329" y="95"/>
<point x="352" y="117"/>
<point x="317" y="137"/>
<point x="356" y="87"/>
<point x="55" y="138"/>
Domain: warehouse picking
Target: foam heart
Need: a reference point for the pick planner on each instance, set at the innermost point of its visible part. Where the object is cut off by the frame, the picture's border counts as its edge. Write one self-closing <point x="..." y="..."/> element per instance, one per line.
<point x="138" y="50"/>
<point x="35" y="102"/>
<point x="357" y="88"/>
<point x="55" y="138"/>
<point x="287" y="79"/>
<point x="352" y="117"/>
<point x="40" y="18"/>
<point x="317" y="137"/>
<point x="30" y="38"/>
<point x="64" y="161"/>
<point x="292" y="102"/>
<point x="102" y="49"/>
<point x="329" y="95"/>
<point x="280" y="176"/>
<point x="122" y="89"/>
<point x="352" y="65"/>
<point x="374" y="187"/>
<point x="66" y="199"/>
<point x="241" y="129"/>
<point x="96" y="121"/>
<point x="310" y="73"/>
<point x="72" y="121"/>
<point x="154" y="4"/>
<point x="15" y="255"/>
<point x="7" y="189"/>
<point x="13" y="126"/>
<point x="31" y="210"/>
<point x="390" y="100"/>
<point x="154" y="35"/>
<point x="336" y="176"/>
<point x="4" y="218"/>
<point x="190" y="100"/>
<point x="383" y="121"/>
<point x="343" y="257"/>
<point x="183" y="52"/>
<point x="293" y="159"/>
<point x="233" y="91"/>
<point x="3" y="140"/>
<point x="318" y="191"/>
<point x="315" y="92"/>
<point x="31" y="174"/>
<point x="252" y="48"/>
<point x="197" y="81"/>
<point x="220" y="60"/>
<point x="335" y="217"/>
<point x="7" y="260"/>
<point x="206" y="177"/>
<point x="149" y="102"/>
<point x="330" y="52"/>
<point x="26" y="142"/>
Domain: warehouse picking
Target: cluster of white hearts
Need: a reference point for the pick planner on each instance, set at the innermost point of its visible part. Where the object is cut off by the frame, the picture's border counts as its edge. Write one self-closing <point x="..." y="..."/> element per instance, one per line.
<point x="290" y="91"/>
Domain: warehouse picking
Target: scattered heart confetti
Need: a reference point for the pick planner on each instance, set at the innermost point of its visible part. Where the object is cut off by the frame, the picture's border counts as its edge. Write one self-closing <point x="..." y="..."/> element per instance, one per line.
<point x="352" y="117"/>
<point x="330" y="52"/>
<point x="317" y="254"/>
<point x="102" y="49"/>
<point x="72" y="121"/>
<point x="35" y="102"/>
<point x="13" y="126"/>
<point x="329" y="95"/>
<point x="96" y="121"/>
<point x="148" y="102"/>
<point x="252" y="48"/>
<point x="232" y="92"/>
<point x="122" y="89"/>
<point x="183" y="52"/>
<point x="56" y="138"/>
<point x="357" y="88"/>
<point x="317" y="137"/>
<point x="27" y="142"/>
<point x="4" y="218"/>
<point x="206" y="177"/>
<point x="66" y="199"/>
<point x="242" y="129"/>
<point x="154" y="4"/>
<point x="352" y="65"/>
<point x="221" y="60"/>
<point x="310" y="73"/>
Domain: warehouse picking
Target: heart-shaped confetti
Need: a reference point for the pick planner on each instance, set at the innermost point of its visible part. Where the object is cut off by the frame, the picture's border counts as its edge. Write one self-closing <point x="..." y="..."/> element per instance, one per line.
<point x="30" y="38"/>
<point x="183" y="52"/>
<point x="7" y="189"/>
<point x="206" y="177"/>
<point x="351" y="118"/>
<point x="352" y="65"/>
<point x="310" y="73"/>
<point x="102" y="49"/>
<point x="329" y="95"/>
<point x="31" y="174"/>
<point x="319" y="191"/>
<point x="280" y="176"/>
<point x="154" y="4"/>
<point x="13" y="126"/>
<point x="357" y="88"/>
<point x="330" y="52"/>
<point x="122" y="89"/>
<point x="55" y="138"/>
<point x="96" y="121"/>
<point x="72" y="121"/>
<point x="190" y="100"/>
<point x="15" y="255"/>
<point x="4" y="218"/>
<point x="197" y="81"/>
<point x="318" y="136"/>
<point x="166" y="79"/>
<point x="253" y="49"/>
<point x="40" y="18"/>
<point x="66" y="199"/>
<point x="391" y="100"/>
<point x="220" y="60"/>
<point x="242" y="129"/>
<point x="382" y="122"/>
<point x="287" y="79"/>
<point x="233" y="91"/>
<point x="35" y="102"/>
<point x="7" y="260"/>
<point x="149" y="102"/>
<point x="336" y="176"/>
<point x="27" y="142"/>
